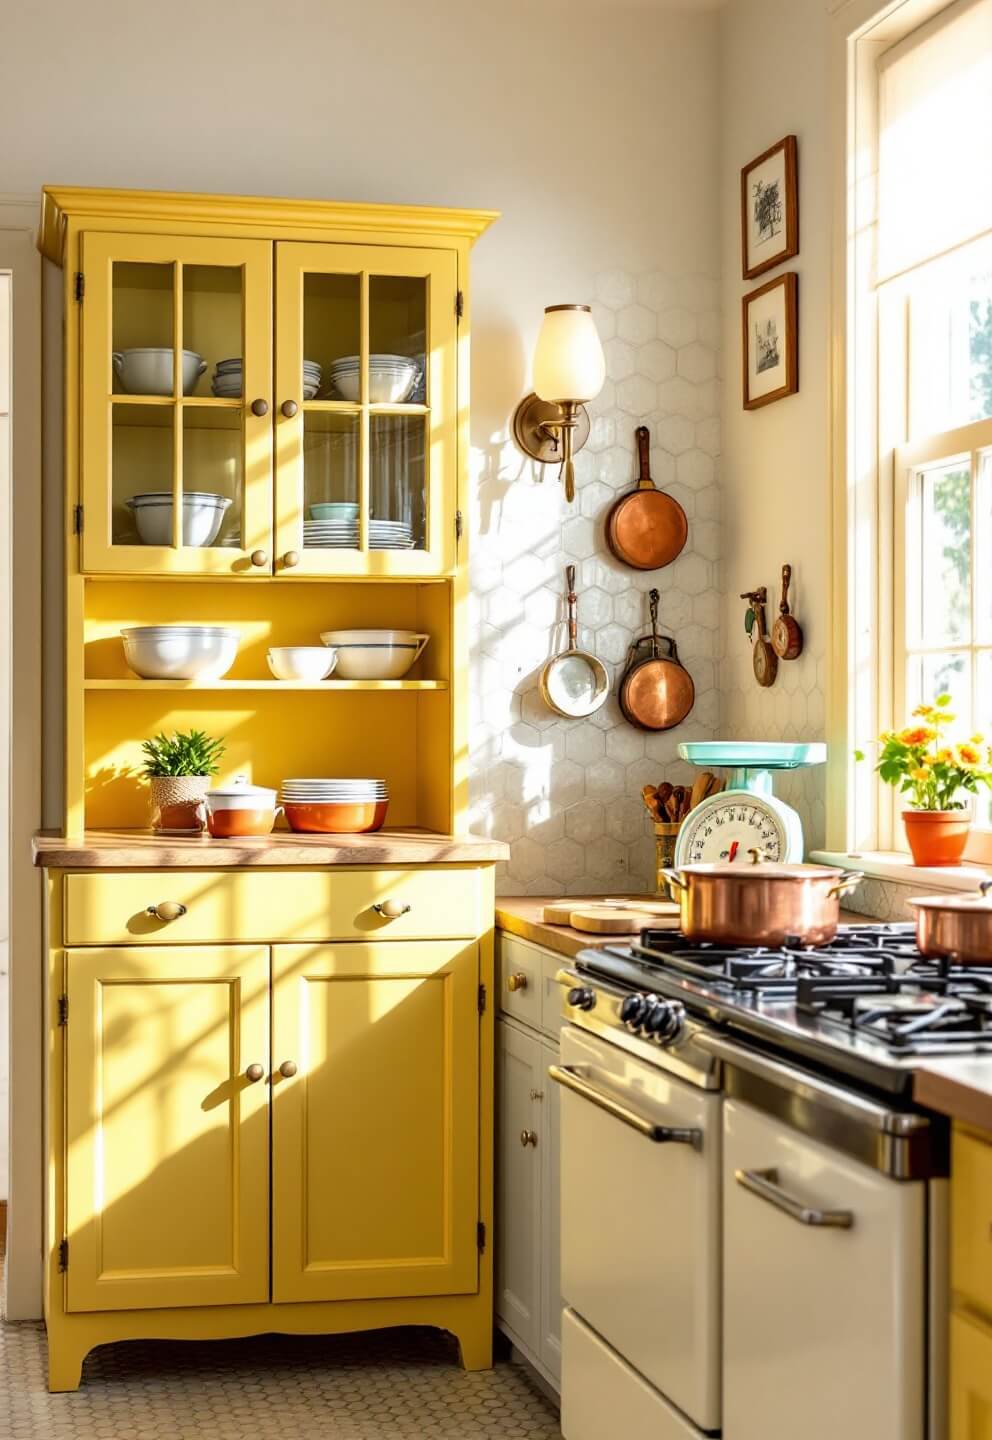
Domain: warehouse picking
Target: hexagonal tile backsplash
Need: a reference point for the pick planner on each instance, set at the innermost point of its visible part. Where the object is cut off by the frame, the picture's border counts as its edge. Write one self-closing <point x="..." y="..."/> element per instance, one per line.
<point x="566" y="793"/>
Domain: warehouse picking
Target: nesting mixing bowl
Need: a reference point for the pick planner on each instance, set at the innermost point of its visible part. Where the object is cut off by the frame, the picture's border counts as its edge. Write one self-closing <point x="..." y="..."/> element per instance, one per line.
<point x="375" y="654"/>
<point x="180" y="652"/>
<point x="301" y="662"/>
<point x="203" y="515"/>
<point x="149" y="370"/>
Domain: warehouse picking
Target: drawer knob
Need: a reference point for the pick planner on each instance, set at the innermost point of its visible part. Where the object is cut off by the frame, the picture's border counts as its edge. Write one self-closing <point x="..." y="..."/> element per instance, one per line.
<point x="254" y="1073"/>
<point x="391" y="909"/>
<point x="287" y="1069"/>
<point x="528" y="1137"/>
<point x="166" y="910"/>
<point x="517" y="981"/>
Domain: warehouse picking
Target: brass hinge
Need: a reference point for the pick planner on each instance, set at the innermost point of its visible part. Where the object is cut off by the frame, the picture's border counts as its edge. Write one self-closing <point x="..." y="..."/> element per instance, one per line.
<point x="482" y="999"/>
<point x="459" y="305"/>
<point x="480" y="1235"/>
<point x="459" y="525"/>
<point x="79" y="285"/>
<point x="63" y="1009"/>
<point x="77" y="520"/>
<point x="63" y="1255"/>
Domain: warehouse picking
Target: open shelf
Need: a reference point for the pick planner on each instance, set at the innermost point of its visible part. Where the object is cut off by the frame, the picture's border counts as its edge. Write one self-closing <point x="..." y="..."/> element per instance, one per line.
<point x="327" y="686"/>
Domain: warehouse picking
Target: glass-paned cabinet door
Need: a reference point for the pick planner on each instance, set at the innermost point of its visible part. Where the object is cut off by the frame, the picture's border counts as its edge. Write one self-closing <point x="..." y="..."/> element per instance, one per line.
<point x="366" y="409"/>
<point x="176" y="405"/>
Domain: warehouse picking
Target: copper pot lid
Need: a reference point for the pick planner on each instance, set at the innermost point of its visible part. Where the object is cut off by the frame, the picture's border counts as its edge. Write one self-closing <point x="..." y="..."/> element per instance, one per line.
<point x="749" y="870"/>
<point x="961" y="904"/>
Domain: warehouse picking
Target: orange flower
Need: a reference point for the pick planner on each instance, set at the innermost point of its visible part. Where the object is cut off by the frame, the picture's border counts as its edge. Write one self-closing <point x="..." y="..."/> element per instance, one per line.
<point x="923" y="712"/>
<point x="945" y="756"/>
<point x="967" y="756"/>
<point x="913" y="738"/>
<point x="919" y="773"/>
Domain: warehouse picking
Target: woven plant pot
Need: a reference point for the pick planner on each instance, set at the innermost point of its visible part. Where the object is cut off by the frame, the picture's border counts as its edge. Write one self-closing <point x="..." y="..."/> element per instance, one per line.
<point x="176" y="800"/>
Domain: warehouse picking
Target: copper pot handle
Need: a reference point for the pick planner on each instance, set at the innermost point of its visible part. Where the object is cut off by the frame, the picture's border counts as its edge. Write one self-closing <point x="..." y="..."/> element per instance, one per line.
<point x="984" y="886"/>
<point x="850" y="882"/>
<point x="571" y="601"/>
<point x="757" y="854"/>
<point x="673" y="879"/>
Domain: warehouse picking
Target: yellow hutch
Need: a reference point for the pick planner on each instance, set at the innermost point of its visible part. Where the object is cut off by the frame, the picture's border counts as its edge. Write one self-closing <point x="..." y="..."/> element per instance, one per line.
<point x="270" y="1060"/>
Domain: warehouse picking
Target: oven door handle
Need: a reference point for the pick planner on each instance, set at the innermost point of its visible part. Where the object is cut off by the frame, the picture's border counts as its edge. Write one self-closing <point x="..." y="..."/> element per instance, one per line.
<point x="572" y="1079"/>
<point x="764" y="1184"/>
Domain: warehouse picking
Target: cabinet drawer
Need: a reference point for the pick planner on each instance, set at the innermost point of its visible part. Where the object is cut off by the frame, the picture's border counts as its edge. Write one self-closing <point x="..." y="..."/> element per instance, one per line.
<point x="971" y="1219"/>
<point x="971" y="1379"/>
<point x="520" y="979"/>
<point x="332" y="904"/>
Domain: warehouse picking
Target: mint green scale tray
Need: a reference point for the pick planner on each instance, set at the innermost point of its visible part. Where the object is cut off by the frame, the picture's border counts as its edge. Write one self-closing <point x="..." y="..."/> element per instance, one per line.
<point x="753" y="754"/>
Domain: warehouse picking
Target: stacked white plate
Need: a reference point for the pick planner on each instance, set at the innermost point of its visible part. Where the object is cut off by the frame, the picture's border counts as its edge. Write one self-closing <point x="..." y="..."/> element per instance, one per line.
<point x="227" y="379"/>
<point x="391" y="378"/>
<point x="334" y="792"/>
<point x="343" y="535"/>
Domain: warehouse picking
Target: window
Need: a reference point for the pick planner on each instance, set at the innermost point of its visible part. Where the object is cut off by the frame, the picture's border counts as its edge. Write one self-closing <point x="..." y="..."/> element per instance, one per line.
<point x="933" y="297"/>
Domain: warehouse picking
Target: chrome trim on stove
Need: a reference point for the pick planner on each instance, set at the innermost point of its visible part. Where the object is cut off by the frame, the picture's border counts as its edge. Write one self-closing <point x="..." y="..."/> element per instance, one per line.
<point x="901" y="1144"/>
<point x="572" y="1078"/>
<point x="764" y="1184"/>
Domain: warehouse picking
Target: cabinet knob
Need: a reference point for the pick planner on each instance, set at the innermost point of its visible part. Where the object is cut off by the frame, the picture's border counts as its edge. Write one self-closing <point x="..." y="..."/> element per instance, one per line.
<point x="254" y="1073"/>
<point x="291" y="559"/>
<point x="518" y="981"/>
<point x="528" y="1137"/>
<point x="260" y="557"/>
<point x="289" y="408"/>
<point x="166" y="910"/>
<point x="287" y="1069"/>
<point x="391" y="909"/>
<point x="260" y="407"/>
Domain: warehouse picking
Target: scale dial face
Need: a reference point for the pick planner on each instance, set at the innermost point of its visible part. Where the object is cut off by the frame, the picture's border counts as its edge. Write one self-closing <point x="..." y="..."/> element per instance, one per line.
<point x="724" y="828"/>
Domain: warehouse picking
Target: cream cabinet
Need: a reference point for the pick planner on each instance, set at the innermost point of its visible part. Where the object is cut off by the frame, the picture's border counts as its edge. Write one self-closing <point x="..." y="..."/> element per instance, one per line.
<point x="528" y="1292"/>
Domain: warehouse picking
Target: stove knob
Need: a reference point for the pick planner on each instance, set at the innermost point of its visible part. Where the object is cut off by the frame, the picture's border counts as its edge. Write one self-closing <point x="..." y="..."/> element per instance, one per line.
<point x="581" y="998"/>
<point x="633" y="1008"/>
<point x="665" y="1021"/>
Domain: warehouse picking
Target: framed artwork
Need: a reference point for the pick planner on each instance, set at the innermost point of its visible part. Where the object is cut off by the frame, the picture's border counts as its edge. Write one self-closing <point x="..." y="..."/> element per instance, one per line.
<point x="771" y="341"/>
<point x="770" y="208"/>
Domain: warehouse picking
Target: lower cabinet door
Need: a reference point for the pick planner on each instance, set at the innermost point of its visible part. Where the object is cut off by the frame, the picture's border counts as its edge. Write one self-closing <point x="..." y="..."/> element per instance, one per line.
<point x="167" y="1139"/>
<point x="971" y="1379"/>
<point x="521" y="1140"/>
<point x="551" y="1305"/>
<point x="823" y="1326"/>
<point x="375" y="1120"/>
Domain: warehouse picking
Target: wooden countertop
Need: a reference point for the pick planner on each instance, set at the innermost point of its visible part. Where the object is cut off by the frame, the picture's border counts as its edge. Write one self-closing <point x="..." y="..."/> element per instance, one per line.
<point x="961" y="1088"/>
<point x="521" y="915"/>
<point x="144" y="850"/>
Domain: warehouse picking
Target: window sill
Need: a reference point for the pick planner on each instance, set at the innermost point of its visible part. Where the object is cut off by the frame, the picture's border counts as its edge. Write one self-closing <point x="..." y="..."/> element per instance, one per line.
<point x="898" y="868"/>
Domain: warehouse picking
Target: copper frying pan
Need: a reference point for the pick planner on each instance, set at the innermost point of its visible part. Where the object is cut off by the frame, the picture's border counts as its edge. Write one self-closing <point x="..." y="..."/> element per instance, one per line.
<point x="647" y="528"/>
<point x="656" y="692"/>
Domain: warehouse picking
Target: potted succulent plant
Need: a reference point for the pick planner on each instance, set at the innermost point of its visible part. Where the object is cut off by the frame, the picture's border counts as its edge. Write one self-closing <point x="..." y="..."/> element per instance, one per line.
<point x="937" y="778"/>
<point x="179" y="769"/>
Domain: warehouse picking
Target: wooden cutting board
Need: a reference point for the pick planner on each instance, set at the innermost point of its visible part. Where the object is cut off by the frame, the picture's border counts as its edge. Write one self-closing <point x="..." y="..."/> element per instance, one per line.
<point x="613" y="917"/>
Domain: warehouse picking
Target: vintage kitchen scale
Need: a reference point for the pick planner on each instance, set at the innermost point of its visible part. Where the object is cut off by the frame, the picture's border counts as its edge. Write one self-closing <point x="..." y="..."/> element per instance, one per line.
<point x="747" y="815"/>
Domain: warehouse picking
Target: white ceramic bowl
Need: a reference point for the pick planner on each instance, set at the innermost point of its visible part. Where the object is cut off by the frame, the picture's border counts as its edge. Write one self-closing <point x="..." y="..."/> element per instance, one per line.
<point x="388" y="385"/>
<point x="375" y="654"/>
<point x="148" y="370"/>
<point x="301" y="662"/>
<point x="180" y="652"/>
<point x="203" y="515"/>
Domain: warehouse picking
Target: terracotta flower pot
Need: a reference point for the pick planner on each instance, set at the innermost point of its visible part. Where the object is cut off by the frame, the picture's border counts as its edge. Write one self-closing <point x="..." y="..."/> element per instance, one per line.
<point x="177" y="802"/>
<point x="937" y="837"/>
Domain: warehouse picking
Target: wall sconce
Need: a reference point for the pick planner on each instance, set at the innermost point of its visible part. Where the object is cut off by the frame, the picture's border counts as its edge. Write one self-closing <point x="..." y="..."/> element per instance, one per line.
<point x="551" y="424"/>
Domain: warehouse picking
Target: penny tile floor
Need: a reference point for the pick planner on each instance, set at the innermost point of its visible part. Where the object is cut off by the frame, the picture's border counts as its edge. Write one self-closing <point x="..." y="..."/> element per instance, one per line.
<point x="401" y="1383"/>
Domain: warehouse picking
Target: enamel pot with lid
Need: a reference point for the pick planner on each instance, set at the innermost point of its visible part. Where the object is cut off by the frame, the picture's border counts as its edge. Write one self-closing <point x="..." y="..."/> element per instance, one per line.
<point x="240" y="809"/>
<point x="956" y="927"/>
<point x="761" y="903"/>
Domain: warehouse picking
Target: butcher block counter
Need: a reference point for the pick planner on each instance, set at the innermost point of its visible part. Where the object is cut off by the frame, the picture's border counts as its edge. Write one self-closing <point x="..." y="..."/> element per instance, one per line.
<point x="960" y="1088"/>
<point x="146" y="850"/>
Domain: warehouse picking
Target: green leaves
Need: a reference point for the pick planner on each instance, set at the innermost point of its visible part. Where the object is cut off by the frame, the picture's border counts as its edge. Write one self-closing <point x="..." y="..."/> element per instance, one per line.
<point x="192" y="753"/>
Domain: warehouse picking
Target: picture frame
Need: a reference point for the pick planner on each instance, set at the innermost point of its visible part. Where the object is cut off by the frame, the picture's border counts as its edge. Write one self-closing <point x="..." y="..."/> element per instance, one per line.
<point x="770" y="333"/>
<point x="770" y="208"/>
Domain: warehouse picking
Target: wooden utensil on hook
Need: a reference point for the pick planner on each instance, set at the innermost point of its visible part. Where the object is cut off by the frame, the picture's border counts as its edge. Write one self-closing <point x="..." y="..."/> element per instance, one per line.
<point x="763" y="658"/>
<point x="787" y="635"/>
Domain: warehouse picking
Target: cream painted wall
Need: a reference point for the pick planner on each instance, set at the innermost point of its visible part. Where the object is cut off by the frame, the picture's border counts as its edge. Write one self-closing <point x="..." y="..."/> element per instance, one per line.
<point x="776" y="474"/>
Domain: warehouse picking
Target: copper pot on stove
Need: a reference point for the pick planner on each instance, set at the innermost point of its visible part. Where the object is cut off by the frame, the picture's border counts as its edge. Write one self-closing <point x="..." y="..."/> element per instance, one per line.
<point x="761" y="903"/>
<point x="955" y="927"/>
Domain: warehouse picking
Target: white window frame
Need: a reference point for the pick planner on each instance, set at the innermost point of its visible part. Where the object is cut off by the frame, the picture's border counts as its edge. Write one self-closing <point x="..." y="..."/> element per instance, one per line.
<point x="869" y="415"/>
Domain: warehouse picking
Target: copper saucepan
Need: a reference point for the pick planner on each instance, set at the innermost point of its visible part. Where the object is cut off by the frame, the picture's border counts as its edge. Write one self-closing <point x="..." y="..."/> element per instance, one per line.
<point x="956" y="927"/>
<point x="761" y="903"/>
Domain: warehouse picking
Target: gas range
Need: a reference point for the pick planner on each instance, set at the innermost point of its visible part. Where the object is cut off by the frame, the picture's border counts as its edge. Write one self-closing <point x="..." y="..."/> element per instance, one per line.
<point x="867" y="1006"/>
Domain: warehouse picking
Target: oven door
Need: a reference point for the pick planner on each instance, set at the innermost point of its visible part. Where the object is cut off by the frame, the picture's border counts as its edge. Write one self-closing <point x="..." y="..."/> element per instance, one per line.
<point x="640" y="1228"/>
